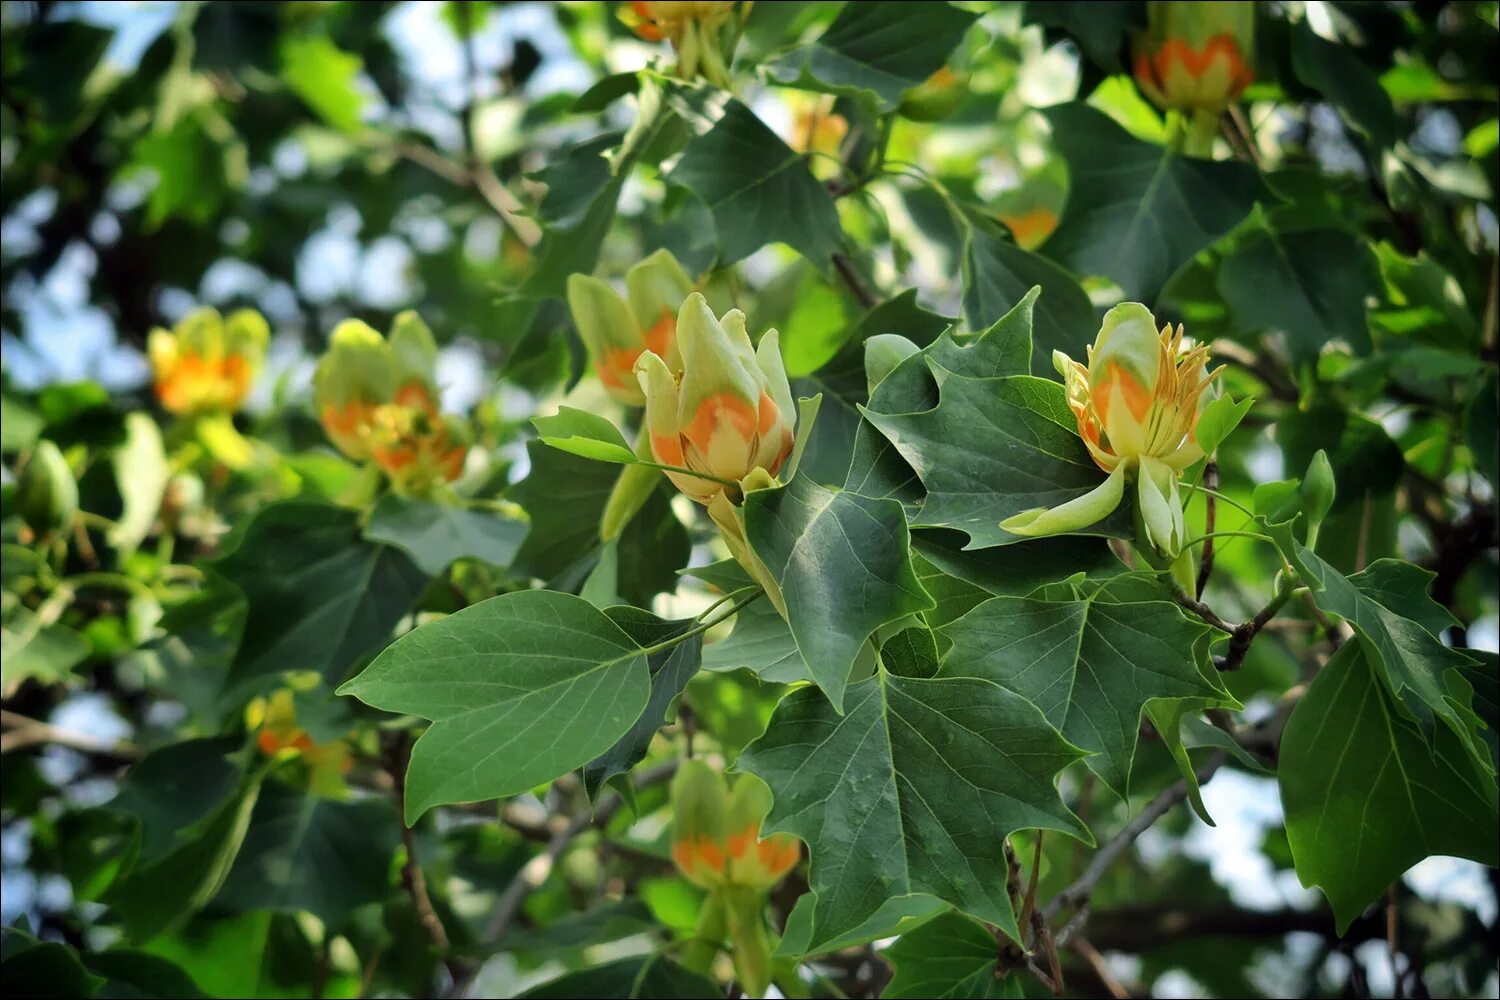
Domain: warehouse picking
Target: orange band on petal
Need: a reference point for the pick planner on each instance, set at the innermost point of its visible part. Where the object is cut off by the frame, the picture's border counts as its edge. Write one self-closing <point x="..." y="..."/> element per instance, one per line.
<point x="739" y="843"/>
<point x="721" y="407"/>
<point x="768" y="414"/>
<point x="711" y="854"/>
<point x="668" y="449"/>
<point x="616" y="368"/>
<point x="659" y="337"/>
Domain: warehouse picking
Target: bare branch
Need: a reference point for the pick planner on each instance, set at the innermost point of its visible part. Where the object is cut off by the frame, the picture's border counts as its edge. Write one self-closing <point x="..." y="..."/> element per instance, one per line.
<point x="1082" y="890"/>
<point x="23" y="731"/>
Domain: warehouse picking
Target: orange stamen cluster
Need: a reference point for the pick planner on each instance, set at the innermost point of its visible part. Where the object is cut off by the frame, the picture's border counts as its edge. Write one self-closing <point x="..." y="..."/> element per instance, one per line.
<point x="1168" y="413"/>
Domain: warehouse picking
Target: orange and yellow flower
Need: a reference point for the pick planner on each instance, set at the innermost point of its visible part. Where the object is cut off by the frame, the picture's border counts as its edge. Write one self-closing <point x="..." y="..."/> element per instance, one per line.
<point x="716" y="838"/>
<point x="724" y="426"/>
<point x="730" y="411"/>
<point x="693" y="28"/>
<point x="377" y="401"/>
<point x="277" y="734"/>
<point x="1137" y="402"/>
<point x="1195" y="57"/>
<point x="207" y="363"/>
<point x="617" y="329"/>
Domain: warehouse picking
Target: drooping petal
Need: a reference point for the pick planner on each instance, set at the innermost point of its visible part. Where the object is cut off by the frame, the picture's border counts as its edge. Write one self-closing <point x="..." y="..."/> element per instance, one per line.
<point x="1075" y="515"/>
<point x="1160" y="506"/>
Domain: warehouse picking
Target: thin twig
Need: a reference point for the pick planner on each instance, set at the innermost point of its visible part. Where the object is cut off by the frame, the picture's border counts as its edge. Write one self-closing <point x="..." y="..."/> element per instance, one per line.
<point x="23" y="731"/>
<point x="1210" y="518"/>
<point x="413" y="879"/>
<point x="862" y="294"/>
<point x="1096" y="962"/>
<point x="535" y="872"/>
<point x="1082" y="890"/>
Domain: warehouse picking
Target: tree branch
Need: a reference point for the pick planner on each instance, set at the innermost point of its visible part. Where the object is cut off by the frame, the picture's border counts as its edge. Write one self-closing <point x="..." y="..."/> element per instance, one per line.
<point x="1082" y="890"/>
<point x="23" y="731"/>
<point x="535" y="872"/>
<point x="413" y="879"/>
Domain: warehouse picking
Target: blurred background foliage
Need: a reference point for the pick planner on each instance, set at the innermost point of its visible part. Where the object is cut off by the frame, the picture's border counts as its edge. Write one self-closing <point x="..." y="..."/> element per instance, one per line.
<point x="319" y="161"/>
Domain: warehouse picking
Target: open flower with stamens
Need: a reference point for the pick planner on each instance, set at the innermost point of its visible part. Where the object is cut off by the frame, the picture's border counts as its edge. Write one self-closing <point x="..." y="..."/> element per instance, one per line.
<point x="1196" y="57"/>
<point x="617" y="328"/>
<point x="1137" y="403"/>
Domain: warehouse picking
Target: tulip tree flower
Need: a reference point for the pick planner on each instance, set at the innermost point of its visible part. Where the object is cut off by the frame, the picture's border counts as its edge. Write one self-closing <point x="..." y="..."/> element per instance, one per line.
<point x="377" y="401"/>
<point x="693" y="27"/>
<point x="278" y="735"/>
<point x="617" y="329"/>
<point x="1137" y="404"/>
<point x="716" y="845"/>
<point x="207" y="363"/>
<point x="726" y="422"/>
<point x="1196" y="57"/>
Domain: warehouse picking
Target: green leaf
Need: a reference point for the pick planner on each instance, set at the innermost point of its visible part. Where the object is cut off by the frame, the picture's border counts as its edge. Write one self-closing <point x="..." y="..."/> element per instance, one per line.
<point x="138" y="975"/>
<point x="586" y="435"/>
<point x="141" y="473"/>
<point x="998" y="275"/>
<point x="1137" y="212"/>
<point x="1367" y="794"/>
<point x="43" y="969"/>
<point x="1404" y="654"/>
<point x="652" y="976"/>
<point x="844" y="568"/>
<point x="192" y="803"/>
<point x="1308" y="285"/>
<point x="520" y="689"/>
<point x="1218" y="420"/>
<point x="306" y="853"/>
<point x="1100" y="27"/>
<point x="324" y="76"/>
<point x="1365" y="460"/>
<point x="1337" y="72"/>
<point x="843" y="386"/>
<point x="565" y="495"/>
<point x="758" y="189"/>
<point x="995" y="443"/>
<point x="879" y="49"/>
<point x="29" y="648"/>
<point x="435" y="535"/>
<point x="761" y="642"/>
<point x="912" y="790"/>
<point x="671" y="669"/>
<point x="20" y="425"/>
<point x="896" y="915"/>
<point x="949" y="956"/>
<point x="319" y="596"/>
<point x="1089" y="665"/>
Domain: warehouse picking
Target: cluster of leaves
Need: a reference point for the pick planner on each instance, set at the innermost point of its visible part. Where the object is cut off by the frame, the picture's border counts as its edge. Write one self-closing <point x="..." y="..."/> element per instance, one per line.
<point x="399" y="745"/>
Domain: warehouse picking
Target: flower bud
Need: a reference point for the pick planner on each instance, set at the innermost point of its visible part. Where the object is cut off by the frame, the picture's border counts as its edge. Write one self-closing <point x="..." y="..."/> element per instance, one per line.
<point x="207" y="363"/>
<point x="1196" y="56"/>
<point x="716" y="839"/>
<point x="618" y="329"/>
<point x="46" y="492"/>
<point x="1318" y="491"/>
<point x="377" y="401"/>
<point x="731" y="411"/>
